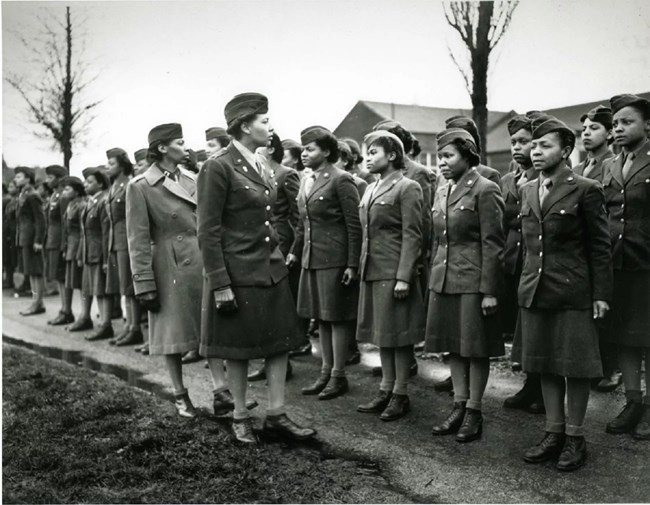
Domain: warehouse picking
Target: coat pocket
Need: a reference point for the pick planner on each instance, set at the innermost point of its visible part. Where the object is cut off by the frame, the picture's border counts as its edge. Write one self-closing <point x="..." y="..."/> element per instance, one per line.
<point x="465" y="204"/>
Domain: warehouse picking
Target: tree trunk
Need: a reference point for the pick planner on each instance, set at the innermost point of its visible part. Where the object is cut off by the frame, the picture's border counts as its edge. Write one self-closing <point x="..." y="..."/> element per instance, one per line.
<point x="66" y="131"/>
<point x="480" y="61"/>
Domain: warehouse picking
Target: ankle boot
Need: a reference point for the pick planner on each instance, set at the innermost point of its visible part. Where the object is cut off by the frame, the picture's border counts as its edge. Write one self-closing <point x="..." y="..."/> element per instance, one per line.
<point x="317" y="386"/>
<point x="642" y="429"/>
<point x="398" y="407"/>
<point x="337" y="386"/>
<point x="549" y="448"/>
<point x="377" y="404"/>
<point x="453" y="422"/>
<point x="574" y="454"/>
<point x="472" y="426"/>
<point x="527" y="395"/>
<point x="627" y="419"/>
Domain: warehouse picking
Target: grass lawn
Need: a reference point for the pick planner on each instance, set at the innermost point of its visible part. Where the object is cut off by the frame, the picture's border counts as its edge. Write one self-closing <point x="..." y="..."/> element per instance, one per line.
<point x="71" y="435"/>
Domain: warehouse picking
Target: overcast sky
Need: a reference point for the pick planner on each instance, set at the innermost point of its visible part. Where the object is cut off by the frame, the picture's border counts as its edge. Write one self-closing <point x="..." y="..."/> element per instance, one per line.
<point x="181" y="61"/>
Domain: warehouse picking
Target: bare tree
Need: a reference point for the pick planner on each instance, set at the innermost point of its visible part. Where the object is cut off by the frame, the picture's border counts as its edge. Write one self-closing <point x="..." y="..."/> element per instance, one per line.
<point x="55" y="98"/>
<point x="481" y="26"/>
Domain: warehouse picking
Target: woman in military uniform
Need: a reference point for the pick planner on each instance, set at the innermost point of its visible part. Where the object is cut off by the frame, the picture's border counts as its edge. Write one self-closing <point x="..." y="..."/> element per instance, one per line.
<point x="73" y="191"/>
<point x="329" y="235"/>
<point x="467" y="265"/>
<point x="9" y="226"/>
<point x="30" y="236"/>
<point x="626" y="181"/>
<point x="391" y="312"/>
<point x="248" y="311"/>
<point x="120" y="170"/>
<point x="141" y="161"/>
<point x="566" y="283"/>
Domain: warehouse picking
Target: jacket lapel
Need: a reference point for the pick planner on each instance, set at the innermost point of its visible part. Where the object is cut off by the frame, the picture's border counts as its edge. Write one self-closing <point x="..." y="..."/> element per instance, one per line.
<point x="155" y="173"/>
<point x="243" y="167"/>
<point x="511" y="185"/>
<point x="463" y="186"/>
<point x="385" y="187"/>
<point x="641" y="160"/>
<point x="616" y="169"/>
<point x="565" y="184"/>
<point x="324" y="177"/>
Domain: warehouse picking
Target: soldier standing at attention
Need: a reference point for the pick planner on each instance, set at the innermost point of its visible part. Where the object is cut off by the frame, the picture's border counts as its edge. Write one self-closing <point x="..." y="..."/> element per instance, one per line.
<point x="141" y="161"/>
<point x="216" y="139"/>
<point x="627" y="192"/>
<point x="596" y="137"/>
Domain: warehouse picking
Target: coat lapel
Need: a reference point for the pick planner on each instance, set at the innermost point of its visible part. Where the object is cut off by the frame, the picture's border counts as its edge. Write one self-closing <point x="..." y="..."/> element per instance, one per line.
<point x="385" y="187"/>
<point x="616" y="169"/>
<point x="511" y="185"/>
<point x="565" y="184"/>
<point x="155" y="173"/>
<point x="463" y="186"/>
<point x="641" y="160"/>
<point x="324" y="178"/>
<point x="243" y="167"/>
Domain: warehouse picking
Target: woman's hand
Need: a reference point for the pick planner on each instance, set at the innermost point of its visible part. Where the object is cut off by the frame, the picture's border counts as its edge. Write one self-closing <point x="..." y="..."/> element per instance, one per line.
<point x="105" y="267"/>
<point x="401" y="290"/>
<point x="80" y="263"/>
<point x="349" y="275"/>
<point x="489" y="305"/>
<point x="224" y="295"/>
<point x="38" y="247"/>
<point x="149" y="301"/>
<point x="601" y="308"/>
<point x="291" y="260"/>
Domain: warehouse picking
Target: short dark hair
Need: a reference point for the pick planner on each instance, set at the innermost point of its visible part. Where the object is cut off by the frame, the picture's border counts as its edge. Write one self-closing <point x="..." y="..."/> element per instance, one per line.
<point x="328" y="142"/>
<point x="234" y="130"/>
<point x="295" y="153"/>
<point x="567" y="138"/>
<point x="125" y="163"/>
<point x="405" y="136"/>
<point x="389" y="145"/>
<point x="278" y="150"/>
<point x="103" y="181"/>
<point x="468" y="151"/>
<point x="153" y="154"/>
<point x="416" y="149"/>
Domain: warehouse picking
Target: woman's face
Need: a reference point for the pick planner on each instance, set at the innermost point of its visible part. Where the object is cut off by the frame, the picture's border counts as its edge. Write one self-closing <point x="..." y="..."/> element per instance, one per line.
<point x="594" y="135"/>
<point x="451" y="163"/>
<point x="175" y="151"/>
<point x="114" y="168"/>
<point x="213" y="146"/>
<point x="377" y="161"/>
<point x="92" y="186"/>
<point x="547" y="152"/>
<point x="313" y="156"/>
<point x="141" y="166"/>
<point x="11" y="188"/>
<point x="259" y="129"/>
<point x="288" y="160"/>
<point x="21" y="180"/>
<point x="42" y="191"/>
<point x="629" y="127"/>
<point x="520" y="144"/>
<point x="68" y="193"/>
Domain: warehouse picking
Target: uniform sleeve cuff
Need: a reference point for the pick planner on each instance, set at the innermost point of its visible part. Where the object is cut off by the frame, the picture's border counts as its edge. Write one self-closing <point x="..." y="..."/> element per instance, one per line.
<point x="218" y="279"/>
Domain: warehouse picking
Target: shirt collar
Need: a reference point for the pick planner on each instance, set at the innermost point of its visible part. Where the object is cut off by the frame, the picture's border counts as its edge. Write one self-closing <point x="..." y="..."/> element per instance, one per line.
<point x="250" y="157"/>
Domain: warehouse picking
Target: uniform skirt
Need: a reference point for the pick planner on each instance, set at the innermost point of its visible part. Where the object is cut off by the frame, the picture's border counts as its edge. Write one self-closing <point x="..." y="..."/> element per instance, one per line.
<point x="265" y="323"/>
<point x="54" y="265"/>
<point x="559" y="342"/>
<point x="385" y="321"/>
<point x="73" y="275"/>
<point x="119" y="275"/>
<point x="322" y="296"/>
<point x="455" y="323"/>
<point x="628" y="323"/>
<point x="93" y="282"/>
<point x="31" y="263"/>
<point x="509" y="303"/>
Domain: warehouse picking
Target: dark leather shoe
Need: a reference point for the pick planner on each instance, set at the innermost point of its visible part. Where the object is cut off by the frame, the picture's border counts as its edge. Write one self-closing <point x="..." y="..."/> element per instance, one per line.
<point x="472" y="426"/>
<point x="135" y="337"/>
<point x="33" y="311"/>
<point x="284" y="427"/>
<point x="626" y="420"/>
<point x="376" y="371"/>
<point x="453" y="422"/>
<point x="377" y="404"/>
<point x="243" y="430"/>
<point x="398" y="407"/>
<point x="138" y="348"/>
<point x="610" y="382"/>
<point x="81" y="325"/>
<point x="223" y="403"/>
<point x="317" y="386"/>
<point x="574" y="454"/>
<point x="642" y="430"/>
<point x="303" y="350"/>
<point x="354" y="359"/>
<point x="444" y="386"/>
<point x="62" y="318"/>
<point x="145" y="349"/>
<point x="337" y="386"/>
<point x="102" y="333"/>
<point x="526" y="396"/>
<point x="192" y="356"/>
<point x="184" y="405"/>
<point x="537" y="407"/>
<point x="119" y="336"/>
<point x="550" y="447"/>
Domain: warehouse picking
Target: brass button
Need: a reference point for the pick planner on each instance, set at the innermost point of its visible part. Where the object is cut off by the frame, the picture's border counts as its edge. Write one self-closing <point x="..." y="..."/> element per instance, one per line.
<point x="539" y="270"/>
<point x="180" y="237"/>
<point x="187" y="261"/>
<point x="540" y="237"/>
<point x="267" y="239"/>
<point x="266" y="223"/>
<point x="620" y="237"/>
<point x="268" y="207"/>
<point x="541" y="254"/>
<point x="267" y="192"/>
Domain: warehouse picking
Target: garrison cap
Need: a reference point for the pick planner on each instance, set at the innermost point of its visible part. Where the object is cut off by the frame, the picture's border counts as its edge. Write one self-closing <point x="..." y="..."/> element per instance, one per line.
<point x="99" y="173"/>
<point x="244" y="105"/>
<point x="387" y="124"/>
<point x="201" y="155"/>
<point x="165" y="132"/>
<point x="140" y="154"/>
<point x="354" y="146"/>
<point x="600" y="114"/>
<point x="75" y="183"/>
<point x="535" y="114"/>
<point x="56" y="170"/>
<point x="215" y="132"/>
<point x="28" y="172"/>
<point x="345" y="148"/>
<point x="371" y="138"/>
<point x="619" y="101"/>
<point x="313" y="133"/>
<point x="548" y="124"/>
<point x="446" y="137"/>
<point x="467" y="124"/>
<point x="519" y="122"/>
<point x="115" y="152"/>
<point x="290" y="144"/>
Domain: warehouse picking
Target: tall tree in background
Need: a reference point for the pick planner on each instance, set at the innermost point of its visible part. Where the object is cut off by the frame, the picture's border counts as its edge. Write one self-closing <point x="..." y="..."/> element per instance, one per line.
<point x="481" y="26"/>
<point x="55" y="95"/>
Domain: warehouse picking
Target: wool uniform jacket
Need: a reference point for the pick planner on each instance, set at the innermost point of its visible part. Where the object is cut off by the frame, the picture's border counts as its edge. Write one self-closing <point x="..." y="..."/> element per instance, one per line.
<point x="55" y="216"/>
<point x="391" y="222"/>
<point x="567" y="257"/>
<point x="628" y="203"/>
<point x="595" y="173"/>
<point x="72" y="226"/>
<point x="422" y="176"/>
<point x="329" y="231"/>
<point x="95" y="230"/>
<point x="116" y="208"/>
<point x="468" y="237"/>
<point x="30" y="218"/>
<point x="285" y="210"/>
<point x="489" y="173"/>
<point x="363" y="174"/>
<point x="239" y="244"/>
<point x="360" y="184"/>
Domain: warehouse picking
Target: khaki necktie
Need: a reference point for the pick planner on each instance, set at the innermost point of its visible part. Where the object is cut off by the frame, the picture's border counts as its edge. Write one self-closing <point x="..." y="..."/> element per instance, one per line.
<point x="628" y="165"/>
<point x="544" y="189"/>
<point x="589" y="166"/>
<point x="309" y="183"/>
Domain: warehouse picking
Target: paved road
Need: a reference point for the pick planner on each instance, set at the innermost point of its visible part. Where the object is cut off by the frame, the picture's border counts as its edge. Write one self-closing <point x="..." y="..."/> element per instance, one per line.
<point x="422" y="467"/>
